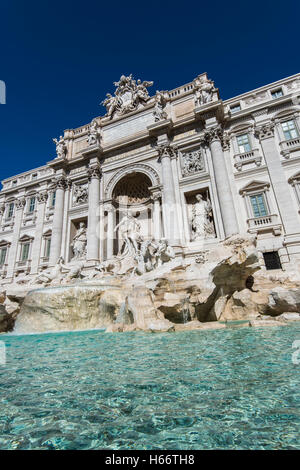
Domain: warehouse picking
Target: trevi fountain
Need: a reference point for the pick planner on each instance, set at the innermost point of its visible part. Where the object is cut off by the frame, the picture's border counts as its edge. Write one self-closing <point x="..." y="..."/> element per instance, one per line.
<point x="138" y="340"/>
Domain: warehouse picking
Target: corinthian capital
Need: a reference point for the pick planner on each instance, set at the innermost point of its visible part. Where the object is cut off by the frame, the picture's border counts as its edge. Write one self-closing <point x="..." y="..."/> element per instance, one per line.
<point x="213" y="134"/>
<point x="42" y="197"/>
<point x="166" y="151"/>
<point x="61" y="182"/>
<point x="20" y="203"/>
<point x="265" y="131"/>
<point x="94" y="171"/>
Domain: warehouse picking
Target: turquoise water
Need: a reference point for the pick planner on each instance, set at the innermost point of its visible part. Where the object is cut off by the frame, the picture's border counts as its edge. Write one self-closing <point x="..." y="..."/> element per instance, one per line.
<point x="222" y="389"/>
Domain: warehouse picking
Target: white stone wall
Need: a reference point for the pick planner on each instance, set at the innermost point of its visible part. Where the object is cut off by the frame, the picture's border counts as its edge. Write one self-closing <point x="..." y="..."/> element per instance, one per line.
<point x="132" y="143"/>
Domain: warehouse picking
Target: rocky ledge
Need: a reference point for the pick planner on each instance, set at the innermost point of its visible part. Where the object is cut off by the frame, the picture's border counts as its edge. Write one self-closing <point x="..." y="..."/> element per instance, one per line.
<point x="218" y="287"/>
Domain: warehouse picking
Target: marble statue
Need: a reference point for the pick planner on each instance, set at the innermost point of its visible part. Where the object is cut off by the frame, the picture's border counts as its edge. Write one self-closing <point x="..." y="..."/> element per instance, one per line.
<point x="129" y="96"/>
<point x="129" y="232"/>
<point x="49" y="275"/>
<point x="61" y="148"/>
<point x="164" y="253"/>
<point x="204" y="89"/>
<point x="93" y="136"/>
<point x="202" y="224"/>
<point x="79" y="242"/>
<point x="160" y="103"/>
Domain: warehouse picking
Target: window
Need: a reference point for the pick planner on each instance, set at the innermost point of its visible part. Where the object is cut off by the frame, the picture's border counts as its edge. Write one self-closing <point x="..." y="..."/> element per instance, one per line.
<point x="31" y="204"/>
<point x="235" y="108"/>
<point x="47" y="247"/>
<point x="53" y="199"/>
<point x="10" y="210"/>
<point x="289" y="129"/>
<point x="25" y="251"/>
<point x="276" y="94"/>
<point x="258" y="205"/>
<point x="34" y="176"/>
<point x="243" y="143"/>
<point x="3" y="252"/>
<point x="272" y="260"/>
<point x="14" y="183"/>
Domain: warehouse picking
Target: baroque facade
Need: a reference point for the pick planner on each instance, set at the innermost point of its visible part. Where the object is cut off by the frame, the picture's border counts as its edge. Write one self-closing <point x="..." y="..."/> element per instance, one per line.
<point x="183" y="165"/>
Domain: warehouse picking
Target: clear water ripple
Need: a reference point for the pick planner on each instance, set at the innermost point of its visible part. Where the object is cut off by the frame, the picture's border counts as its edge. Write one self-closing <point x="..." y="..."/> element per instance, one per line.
<point x="226" y="389"/>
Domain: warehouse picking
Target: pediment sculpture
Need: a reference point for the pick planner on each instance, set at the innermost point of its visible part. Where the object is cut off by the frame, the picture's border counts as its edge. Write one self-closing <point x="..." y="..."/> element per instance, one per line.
<point x="129" y="95"/>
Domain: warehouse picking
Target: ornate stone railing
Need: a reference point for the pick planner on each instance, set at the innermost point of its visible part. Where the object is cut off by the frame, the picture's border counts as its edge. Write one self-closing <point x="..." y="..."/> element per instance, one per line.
<point x="257" y="224"/>
<point x="241" y="159"/>
<point x="288" y="146"/>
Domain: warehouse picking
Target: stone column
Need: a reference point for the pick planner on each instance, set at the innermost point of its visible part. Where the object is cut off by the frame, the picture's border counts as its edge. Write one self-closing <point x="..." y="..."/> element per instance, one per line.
<point x="93" y="241"/>
<point x="37" y="242"/>
<point x="64" y="244"/>
<point x="288" y="212"/>
<point x="19" y="208"/>
<point x="110" y="231"/>
<point x="2" y="210"/>
<point x="57" y="227"/>
<point x="156" y="216"/>
<point x="213" y="136"/>
<point x="169" y="198"/>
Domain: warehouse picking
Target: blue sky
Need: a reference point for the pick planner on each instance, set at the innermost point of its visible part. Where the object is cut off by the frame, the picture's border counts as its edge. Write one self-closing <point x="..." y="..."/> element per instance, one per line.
<point x="59" y="59"/>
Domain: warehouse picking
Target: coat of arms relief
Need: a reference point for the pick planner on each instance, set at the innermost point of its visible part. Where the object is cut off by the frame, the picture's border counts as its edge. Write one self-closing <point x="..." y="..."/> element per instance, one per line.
<point x="129" y="95"/>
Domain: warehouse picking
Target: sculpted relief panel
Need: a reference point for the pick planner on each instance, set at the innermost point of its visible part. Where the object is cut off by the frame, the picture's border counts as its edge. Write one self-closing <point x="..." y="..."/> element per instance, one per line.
<point x="192" y="162"/>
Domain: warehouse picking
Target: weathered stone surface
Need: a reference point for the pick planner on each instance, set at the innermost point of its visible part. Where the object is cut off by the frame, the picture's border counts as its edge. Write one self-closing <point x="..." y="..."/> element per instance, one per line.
<point x="283" y="300"/>
<point x="289" y="316"/>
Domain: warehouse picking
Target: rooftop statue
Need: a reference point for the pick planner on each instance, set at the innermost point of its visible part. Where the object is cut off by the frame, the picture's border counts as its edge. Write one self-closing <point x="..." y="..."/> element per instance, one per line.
<point x="129" y="95"/>
<point x="61" y="148"/>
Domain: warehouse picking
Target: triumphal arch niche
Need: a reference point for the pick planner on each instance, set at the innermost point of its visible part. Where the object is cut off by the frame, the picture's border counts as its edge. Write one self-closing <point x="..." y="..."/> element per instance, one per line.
<point x="134" y="195"/>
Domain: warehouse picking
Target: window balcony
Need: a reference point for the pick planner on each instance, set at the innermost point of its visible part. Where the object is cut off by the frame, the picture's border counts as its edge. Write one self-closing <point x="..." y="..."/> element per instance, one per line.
<point x="23" y="265"/>
<point x="264" y="224"/>
<point x="245" y="158"/>
<point x="288" y="146"/>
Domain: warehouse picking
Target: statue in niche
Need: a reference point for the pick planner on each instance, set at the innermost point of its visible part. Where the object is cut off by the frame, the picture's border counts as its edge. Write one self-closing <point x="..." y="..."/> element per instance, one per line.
<point x="129" y="231"/>
<point x="204" y="90"/>
<point x="160" y="103"/>
<point x="79" y="242"/>
<point x="93" y="135"/>
<point x="61" y="148"/>
<point x="81" y="194"/>
<point x="202" y="224"/>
